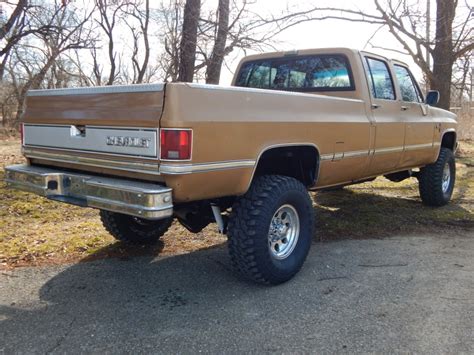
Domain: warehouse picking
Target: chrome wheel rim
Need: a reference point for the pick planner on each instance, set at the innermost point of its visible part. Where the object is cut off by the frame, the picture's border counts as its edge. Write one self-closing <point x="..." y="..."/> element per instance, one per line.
<point x="446" y="181"/>
<point x="284" y="232"/>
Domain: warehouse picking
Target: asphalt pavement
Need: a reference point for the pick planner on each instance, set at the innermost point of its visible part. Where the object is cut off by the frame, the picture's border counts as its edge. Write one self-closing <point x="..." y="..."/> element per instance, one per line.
<point x="408" y="294"/>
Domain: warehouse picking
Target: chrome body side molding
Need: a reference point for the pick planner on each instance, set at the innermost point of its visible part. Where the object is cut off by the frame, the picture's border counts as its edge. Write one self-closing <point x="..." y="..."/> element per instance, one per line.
<point x="153" y="167"/>
<point x="418" y="146"/>
<point x="175" y="169"/>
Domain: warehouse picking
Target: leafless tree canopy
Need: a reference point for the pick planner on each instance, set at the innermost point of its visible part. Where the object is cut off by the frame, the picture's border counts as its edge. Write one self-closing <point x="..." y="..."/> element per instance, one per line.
<point x="407" y="21"/>
<point x="63" y="43"/>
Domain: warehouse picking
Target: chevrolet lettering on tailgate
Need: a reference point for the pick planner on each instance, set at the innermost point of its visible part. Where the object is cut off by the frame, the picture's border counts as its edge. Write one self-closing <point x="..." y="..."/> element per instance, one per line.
<point x="128" y="141"/>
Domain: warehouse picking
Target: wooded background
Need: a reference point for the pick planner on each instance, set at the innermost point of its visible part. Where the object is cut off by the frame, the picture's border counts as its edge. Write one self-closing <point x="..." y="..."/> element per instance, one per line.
<point x="70" y="43"/>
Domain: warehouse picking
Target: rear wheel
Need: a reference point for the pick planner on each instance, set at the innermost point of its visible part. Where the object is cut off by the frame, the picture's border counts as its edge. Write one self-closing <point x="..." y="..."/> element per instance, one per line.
<point x="270" y="229"/>
<point x="134" y="230"/>
<point x="436" y="181"/>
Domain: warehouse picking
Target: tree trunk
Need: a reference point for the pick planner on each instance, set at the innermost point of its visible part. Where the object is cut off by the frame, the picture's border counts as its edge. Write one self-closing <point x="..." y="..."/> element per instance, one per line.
<point x="217" y="58"/>
<point x="187" y="54"/>
<point x="145" y="26"/>
<point x="443" y="58"/>
<point x="7" y="27"/>
<point x="112" y="57"/>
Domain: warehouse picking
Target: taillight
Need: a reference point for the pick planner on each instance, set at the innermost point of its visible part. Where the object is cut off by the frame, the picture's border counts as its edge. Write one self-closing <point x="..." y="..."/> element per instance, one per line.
<point x="175" y="144"/>
<point x="22" y="134"/>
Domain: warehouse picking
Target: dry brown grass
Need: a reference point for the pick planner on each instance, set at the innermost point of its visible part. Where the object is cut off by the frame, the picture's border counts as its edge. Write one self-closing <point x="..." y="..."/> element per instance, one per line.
<point x="466" y="123"/>
<point x="34" y="230"/>
<point x="8" y="133"/>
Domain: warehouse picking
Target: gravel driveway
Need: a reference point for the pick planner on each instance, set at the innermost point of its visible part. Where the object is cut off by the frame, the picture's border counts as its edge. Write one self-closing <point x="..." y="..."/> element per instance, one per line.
<point x="400" y="295"/>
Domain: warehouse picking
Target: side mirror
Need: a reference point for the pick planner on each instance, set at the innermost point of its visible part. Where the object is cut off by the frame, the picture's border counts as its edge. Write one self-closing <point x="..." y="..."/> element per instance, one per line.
<point x="432" y="98"/>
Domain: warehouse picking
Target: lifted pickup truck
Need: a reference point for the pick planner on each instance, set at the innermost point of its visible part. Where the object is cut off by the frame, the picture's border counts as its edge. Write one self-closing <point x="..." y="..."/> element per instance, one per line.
<point x="242" y="156"/>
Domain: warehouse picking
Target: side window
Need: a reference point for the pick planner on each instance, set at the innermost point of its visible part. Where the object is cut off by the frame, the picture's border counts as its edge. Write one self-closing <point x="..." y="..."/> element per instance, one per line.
<point x="256" y="76"/>
<point x="380" y="80"/>
<point x="408" y="87"/>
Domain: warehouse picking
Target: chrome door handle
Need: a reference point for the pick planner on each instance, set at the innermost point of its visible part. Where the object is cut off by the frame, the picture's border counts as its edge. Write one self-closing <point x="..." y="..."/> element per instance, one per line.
<point x="374" y="106"/>
<point x="405" y="108"/>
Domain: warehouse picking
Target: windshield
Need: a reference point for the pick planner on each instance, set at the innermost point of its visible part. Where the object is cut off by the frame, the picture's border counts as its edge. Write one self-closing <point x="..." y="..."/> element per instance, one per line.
<point x="308" y="73"/>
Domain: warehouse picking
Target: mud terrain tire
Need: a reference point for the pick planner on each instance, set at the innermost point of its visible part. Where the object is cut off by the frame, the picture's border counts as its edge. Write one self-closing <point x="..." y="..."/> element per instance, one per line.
<point x="274" y="209"/>
<point x="134" y="230"/>
<point x="436" y="181"/>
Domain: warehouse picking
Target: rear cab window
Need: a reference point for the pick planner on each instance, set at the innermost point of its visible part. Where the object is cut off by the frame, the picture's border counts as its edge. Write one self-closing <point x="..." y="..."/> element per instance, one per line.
<point x="300" y="73"/>
<point x="380" y="79"/>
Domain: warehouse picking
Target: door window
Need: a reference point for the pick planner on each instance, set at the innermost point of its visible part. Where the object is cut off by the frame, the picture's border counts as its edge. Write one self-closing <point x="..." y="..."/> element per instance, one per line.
<point x="408" y="87"/>
<point x="380" y="79"/>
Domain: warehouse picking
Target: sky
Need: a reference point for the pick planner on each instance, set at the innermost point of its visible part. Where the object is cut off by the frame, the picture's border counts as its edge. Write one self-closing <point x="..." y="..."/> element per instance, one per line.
<point x="332" y="33"/>
<point x="327" y="33"/>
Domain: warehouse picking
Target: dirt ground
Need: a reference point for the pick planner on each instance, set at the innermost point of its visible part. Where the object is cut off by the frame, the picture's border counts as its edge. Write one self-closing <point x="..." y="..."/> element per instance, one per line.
<point x="35" y="231"/>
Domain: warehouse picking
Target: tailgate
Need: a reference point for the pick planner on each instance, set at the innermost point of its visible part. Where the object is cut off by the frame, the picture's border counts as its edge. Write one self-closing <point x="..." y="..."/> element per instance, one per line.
<point x="113" y="120"/>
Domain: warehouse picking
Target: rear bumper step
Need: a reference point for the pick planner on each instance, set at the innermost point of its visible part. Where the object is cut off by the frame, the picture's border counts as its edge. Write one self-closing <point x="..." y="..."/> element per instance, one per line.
<point x="145" y="200"/>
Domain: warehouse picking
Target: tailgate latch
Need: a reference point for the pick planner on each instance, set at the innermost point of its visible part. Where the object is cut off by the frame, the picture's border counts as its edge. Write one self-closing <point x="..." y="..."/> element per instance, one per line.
<point x="78" y="131"/>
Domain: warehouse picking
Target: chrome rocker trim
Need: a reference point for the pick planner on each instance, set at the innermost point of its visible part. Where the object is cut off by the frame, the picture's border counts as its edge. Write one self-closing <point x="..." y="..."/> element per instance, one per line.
<point x="145" y="200"/>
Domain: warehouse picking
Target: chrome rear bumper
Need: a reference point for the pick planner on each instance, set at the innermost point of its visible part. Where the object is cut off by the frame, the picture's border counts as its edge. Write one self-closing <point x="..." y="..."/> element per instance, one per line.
<point x="129" y="197"/>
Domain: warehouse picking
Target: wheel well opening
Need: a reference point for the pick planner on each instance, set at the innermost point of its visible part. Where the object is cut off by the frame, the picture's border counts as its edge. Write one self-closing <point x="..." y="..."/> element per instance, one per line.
<point x="299" y="162"/>
<point x="449" y="140"/>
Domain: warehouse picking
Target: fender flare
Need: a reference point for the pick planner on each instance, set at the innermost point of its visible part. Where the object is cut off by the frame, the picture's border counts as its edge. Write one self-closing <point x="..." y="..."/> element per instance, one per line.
<point x="283" y="145"/>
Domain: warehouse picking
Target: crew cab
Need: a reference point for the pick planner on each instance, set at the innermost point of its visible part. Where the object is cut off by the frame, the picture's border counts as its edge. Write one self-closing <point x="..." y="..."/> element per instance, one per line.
<point x="243" y="156"/>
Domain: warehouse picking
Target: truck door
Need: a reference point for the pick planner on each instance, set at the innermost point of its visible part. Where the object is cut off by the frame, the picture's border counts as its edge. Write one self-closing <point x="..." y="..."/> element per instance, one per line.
<point x="387" y="149"/>
<point x="419" y="126"/>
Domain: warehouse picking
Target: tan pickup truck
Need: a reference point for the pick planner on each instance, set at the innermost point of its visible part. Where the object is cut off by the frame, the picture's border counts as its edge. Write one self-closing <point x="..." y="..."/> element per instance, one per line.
<point x="242" y="156"/>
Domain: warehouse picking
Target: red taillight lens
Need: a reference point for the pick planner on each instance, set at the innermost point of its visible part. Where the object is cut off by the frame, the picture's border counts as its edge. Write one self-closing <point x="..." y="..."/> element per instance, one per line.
<point x="176" y="144"/>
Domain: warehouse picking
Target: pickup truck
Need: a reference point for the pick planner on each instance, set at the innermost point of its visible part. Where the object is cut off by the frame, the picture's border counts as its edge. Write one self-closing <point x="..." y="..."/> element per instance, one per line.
<point x="242" y="156"/>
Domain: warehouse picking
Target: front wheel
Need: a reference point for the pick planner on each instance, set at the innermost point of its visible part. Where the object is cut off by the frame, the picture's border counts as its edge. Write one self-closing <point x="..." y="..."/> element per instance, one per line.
<point x="436" y="181"/>
<point x="270" y="229"/>
<point x="134" y="230"/>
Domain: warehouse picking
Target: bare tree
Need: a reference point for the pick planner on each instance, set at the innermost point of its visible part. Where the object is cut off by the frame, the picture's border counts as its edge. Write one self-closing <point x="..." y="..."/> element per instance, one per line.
<point x="110" y="12"/>
<point x="38" y="63"/>
<point x="97" y="67"/>
<point x="78" y="68"/>
<point x="461" y="81"/>
<point x="20" y="25"/>
<point x="246" y="30"/>
<point x="8" y="103"/>
<point x="170" y="16"/>
<point x="13" y="30"/>
<point x="233" y="25"/>
<point x="17" y="13"/>
<point x="406" y="20"/>
<point x="187" y="56"/>
<point x="142" y="17"/>
<point x="214" y="67"/>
